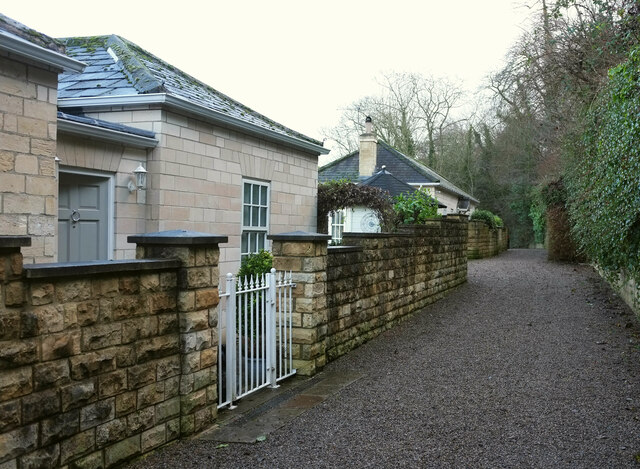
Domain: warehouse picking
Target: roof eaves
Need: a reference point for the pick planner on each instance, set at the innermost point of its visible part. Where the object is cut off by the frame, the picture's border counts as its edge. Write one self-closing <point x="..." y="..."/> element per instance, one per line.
<point x="29" y="50"/>
<point x="257" y="130"/>
<point x="187" y="106"/>
<point x="66" y="124"/>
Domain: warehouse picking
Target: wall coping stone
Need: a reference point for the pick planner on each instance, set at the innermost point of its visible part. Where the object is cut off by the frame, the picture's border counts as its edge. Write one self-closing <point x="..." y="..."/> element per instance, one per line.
<point x="343" y="249"/>
<point x="351" y="234"/>
<point x="177" y="238"/>
<point x="73" y="269"/>
<point x="455" y="216"/>
<point x="14" y="241"/>
<point x="487" y="225"/>
<point x="299" y="236"/>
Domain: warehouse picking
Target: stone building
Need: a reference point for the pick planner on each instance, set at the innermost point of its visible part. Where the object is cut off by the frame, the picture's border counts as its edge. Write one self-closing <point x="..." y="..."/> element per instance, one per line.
<point x="376" y="157"/>
<point x="29" y="66"/>
<point x="211" y="164"/>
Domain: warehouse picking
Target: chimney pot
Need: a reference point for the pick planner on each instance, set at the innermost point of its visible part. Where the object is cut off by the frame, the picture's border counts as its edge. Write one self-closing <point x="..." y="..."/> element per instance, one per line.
<point x="368" y="125"/>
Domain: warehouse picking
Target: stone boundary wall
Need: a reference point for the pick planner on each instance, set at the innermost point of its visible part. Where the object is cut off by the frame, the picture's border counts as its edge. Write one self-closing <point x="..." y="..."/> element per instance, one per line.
<point x="101" y="362"/>
<point x="628" y="290"/>
<point x="389" y="277"/>
<point x="485" y="242"/>
<point x="347" y="295"/>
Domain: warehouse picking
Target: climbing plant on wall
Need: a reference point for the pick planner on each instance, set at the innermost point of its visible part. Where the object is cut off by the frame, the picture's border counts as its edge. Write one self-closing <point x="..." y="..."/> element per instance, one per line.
<point x="603" y="177"/>
<point x="338" y="195"/>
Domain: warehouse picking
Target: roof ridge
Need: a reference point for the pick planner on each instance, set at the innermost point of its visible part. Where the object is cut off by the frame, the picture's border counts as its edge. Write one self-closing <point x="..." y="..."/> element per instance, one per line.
<point x="140" y="76"/>
<point x="148" y="73"/>
<point x="133" y="48"/>
<point x="411" y="161"/>
<point x="424" y="168"/>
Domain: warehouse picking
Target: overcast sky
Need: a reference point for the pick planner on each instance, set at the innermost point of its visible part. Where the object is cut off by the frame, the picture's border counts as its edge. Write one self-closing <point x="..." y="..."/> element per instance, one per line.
<point x="298" y="62"/>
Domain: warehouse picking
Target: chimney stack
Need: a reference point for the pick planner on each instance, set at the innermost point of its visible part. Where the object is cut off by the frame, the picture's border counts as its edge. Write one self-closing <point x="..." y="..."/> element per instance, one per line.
<point x="368" y="149"/>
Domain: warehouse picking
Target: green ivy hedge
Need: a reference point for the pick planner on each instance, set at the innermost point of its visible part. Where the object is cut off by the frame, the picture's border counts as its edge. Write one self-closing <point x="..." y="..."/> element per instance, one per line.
<point x="494" y="221"/>
<point x="603" y="175"/>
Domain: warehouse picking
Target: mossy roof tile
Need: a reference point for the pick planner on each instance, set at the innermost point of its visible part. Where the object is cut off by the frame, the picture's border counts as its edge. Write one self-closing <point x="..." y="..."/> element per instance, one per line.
<point x="141" y="72"/>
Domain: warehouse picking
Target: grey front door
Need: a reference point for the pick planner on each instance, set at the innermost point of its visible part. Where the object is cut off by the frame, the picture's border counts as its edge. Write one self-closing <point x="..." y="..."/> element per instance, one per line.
<point x="83" y="223"/>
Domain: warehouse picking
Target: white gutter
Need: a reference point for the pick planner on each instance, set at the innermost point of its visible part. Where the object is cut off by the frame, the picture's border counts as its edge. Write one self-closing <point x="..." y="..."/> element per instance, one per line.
<point x="24" y="48"/>
<point x="196" y="109"/>
<point x="108" y="135"/>
<point x="446" y="185"/>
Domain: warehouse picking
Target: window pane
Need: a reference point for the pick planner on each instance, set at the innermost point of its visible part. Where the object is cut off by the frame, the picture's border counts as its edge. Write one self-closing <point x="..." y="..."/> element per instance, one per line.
<point x="256" y="194"/>
<point x="263" y="216"/>
<point x="252" y="242"/>
<point x="245" y="243"/>
<point x="260" y="240"/>
<point x="247" y="193"/>
<point x="254" y="216"/>
<point x="246" y="216"/>
<point x="263" y="196"/>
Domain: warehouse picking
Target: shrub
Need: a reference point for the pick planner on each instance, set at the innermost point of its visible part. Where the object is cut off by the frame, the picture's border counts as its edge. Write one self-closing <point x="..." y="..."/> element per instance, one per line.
<point x="252" y="266"/>
<point x="416" y="207"/>
<point x="494" y="221"/>
<point x="256" y="264"/>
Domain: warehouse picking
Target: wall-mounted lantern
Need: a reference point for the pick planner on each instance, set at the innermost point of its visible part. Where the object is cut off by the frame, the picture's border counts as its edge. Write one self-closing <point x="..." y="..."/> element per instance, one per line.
<point x="141" y="179"/>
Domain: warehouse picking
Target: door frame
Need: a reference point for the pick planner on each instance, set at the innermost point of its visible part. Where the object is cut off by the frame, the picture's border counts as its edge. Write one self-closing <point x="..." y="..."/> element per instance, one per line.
<point x="110" y="201"/>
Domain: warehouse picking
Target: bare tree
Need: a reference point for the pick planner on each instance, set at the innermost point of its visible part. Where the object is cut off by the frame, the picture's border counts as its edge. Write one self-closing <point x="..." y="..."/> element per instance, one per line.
<point x="411" y="113"/>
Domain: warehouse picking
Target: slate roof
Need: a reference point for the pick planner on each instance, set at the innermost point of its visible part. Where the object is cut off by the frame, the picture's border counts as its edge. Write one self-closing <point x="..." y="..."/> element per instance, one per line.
<point x="14" y="27"/>
<point x="137" y="72"/>
<point x="400" y="165"/>
<point x="389" y="183"/>
<point x="106" y="125"/>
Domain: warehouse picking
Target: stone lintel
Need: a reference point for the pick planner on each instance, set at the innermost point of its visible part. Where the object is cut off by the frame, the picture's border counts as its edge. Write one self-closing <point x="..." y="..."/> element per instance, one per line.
<point x="14" y="241"/>
<point x="74" y="269"/>
<point x="177" y="238"/>
<point x="299" y="236"/>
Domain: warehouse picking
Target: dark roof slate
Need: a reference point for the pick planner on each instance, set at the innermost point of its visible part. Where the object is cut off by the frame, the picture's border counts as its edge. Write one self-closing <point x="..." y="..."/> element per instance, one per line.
<point x="18" y="29"/>
<point x="140" y="72"/>
<point x="400" y="165"/>
<point x="389" y="183"/>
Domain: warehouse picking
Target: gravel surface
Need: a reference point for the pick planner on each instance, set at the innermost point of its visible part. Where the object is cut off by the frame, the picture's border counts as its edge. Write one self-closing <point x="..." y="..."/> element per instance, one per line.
<point x="529" y="364"/>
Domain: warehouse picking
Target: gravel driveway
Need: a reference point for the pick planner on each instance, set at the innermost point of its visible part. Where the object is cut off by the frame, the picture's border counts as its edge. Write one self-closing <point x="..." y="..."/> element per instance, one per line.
<point x="529" y="364"/>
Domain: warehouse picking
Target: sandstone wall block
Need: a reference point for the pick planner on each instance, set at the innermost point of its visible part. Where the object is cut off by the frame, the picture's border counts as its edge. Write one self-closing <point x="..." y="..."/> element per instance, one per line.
<point x="76" y="446"/>
<point x="122" y="451"/>
<point x="96" y="413"/>
<point x="61" y="426"/>
<point x="44" y="458"/>
<point x="18" y="442"/>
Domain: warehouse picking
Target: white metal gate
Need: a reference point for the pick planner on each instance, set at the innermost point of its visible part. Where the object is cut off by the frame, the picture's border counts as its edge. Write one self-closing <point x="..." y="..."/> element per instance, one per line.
<point x="254" y="334"/>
